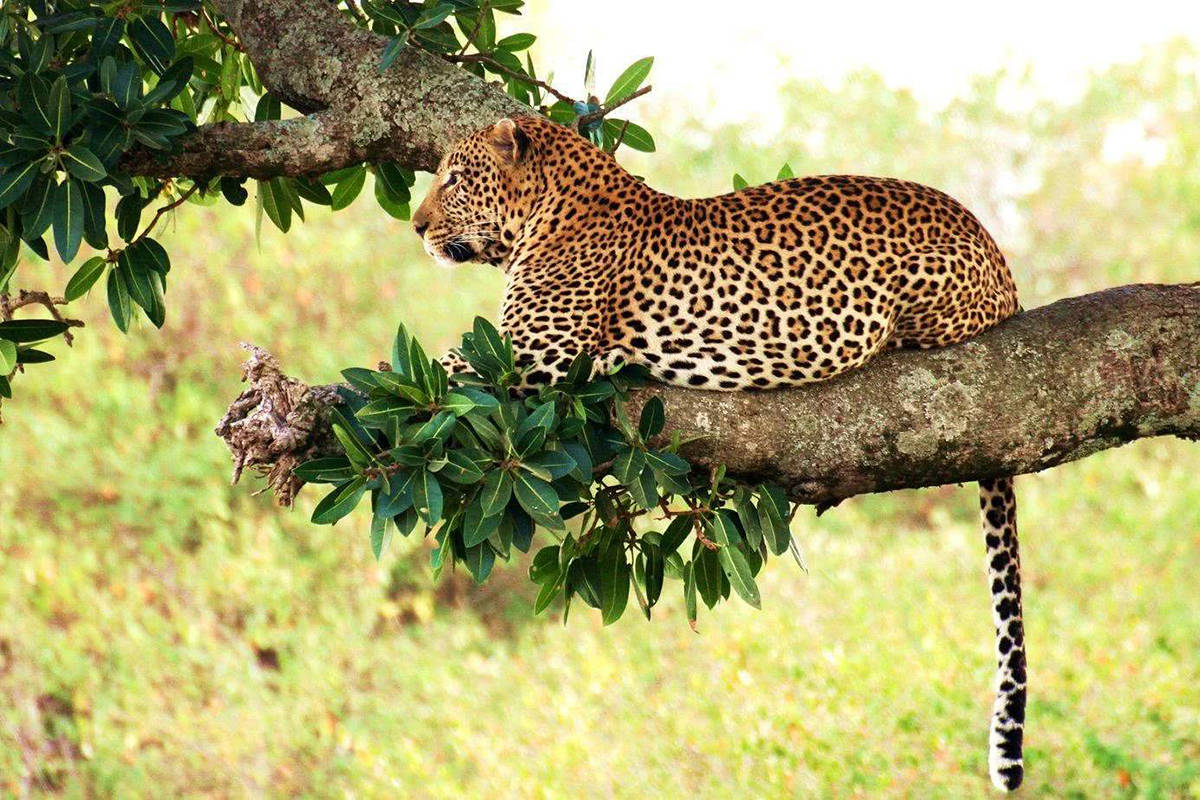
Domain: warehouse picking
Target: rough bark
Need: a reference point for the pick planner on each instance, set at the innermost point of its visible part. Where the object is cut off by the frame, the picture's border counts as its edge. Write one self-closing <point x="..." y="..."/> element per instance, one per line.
<point x="318" y="62"/>
<point x="1049" y="386"/>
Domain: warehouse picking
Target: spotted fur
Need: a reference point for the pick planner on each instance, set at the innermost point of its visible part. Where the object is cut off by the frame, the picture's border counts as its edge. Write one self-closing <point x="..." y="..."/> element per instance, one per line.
<point x="777" y="285"/>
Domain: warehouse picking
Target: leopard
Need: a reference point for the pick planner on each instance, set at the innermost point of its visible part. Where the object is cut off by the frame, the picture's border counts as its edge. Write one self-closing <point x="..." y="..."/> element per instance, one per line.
<point x="776" y="285"/>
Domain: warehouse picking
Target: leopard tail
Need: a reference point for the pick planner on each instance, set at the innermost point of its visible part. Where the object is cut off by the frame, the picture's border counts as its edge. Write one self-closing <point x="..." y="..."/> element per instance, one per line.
<point x="998" y="509"/>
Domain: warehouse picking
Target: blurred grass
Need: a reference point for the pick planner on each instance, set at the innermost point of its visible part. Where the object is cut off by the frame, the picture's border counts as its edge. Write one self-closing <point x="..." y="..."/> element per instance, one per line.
<point x="164" y="633"/>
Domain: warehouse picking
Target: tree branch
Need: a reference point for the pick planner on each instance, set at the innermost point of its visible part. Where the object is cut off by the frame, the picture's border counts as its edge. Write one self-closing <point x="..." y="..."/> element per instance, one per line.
<point x="1049" y="386"/>
<point x="317" y="61"/>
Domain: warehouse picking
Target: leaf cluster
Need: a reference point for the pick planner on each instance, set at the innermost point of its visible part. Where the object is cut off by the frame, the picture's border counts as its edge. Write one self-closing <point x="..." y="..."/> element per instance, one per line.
<point x="464" y="31"/>
<point x="481" y="467"/>
<point x="85" y="82"/>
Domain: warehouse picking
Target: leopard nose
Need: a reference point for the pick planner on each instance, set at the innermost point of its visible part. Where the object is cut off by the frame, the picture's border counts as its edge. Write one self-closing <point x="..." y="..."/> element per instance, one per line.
<point x="420" y="228"/>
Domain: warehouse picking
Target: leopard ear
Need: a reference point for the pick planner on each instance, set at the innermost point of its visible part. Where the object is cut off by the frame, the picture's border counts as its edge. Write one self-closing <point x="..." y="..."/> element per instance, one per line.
<point x="509" y="141"/>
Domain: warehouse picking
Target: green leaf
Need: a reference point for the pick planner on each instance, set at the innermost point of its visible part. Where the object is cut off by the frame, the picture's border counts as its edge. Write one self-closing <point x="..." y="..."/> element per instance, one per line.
<point x="391" y="50"/>
<point x="153" y="42"/>
<point x="68" y="219"/>
<point x="667" y="463"/>
<point x="776" y="532"/>
<point x="427" y="497"/>
<point x="26" y="138"/>
<point x="394" y="180"/>
<point x="60" y="108"/>
<point x="478" y="526"/>
<point x="516" y="42"/>
<point x="553" y="463"/>
<point x="614" y="584"/>
<point x="396" y="497"/>
<point x="348" y="189"/>
<point x="150" y="255"/>
<point x="334" y="469"/>
<point x="119" y="303"/>
<point x="37" y="210"/>
<point x="8" y="356"/>
<point x="654" y="571"/>
<point x="83" y="164"/>
<point x="707" y="569"/>
<point x="689" y="593"/>
<point x="739" y="182"/>
<point x="535" y="495"/>
<point x="276" y="203"/>
<point x="721" y="529"/>
<point x="173" y="81"/>
<point x="637" y="138"/>
<point x="644" y="491"/>
<point x="33" y="93"/>
<point x="547" y="594"/>
<point x="31" y="356"/>
<point x="628" y="466"/>
<point x="774" y="501"/>
<point x="339" y="502"/>
<point x="545" y="567"/>
<point x="628" y="81"/>
<point x="439" y="427"/>
<point x="785" y="172"/>
<point x="94" y="213"/>
<point x="356" y="450"/>
<point x="109" y="31"/>
<point x="144" y="286"/>
<point x="380" y="535"/>
<point x="737" y="570"/>
<point x="129" y="215"/>
<point x="466" y="399"/>
<point x="630" y="134"/>
<point x="541" y="417"/>
<point x="311" y="190"/>
<point x="653" y="418"/>
<point x="749" y="518"/>
<point x="479" y="561"/>
<point x="85" y="277"/>
<point x="234" y="191"/>
<point x="463" y="467"/>
<point x="773" y="518"/>
<point x="15" y="181"/>
<point x="675" y="534"/>
<point x="434" y="16"/>
<point x="496" y="492"/>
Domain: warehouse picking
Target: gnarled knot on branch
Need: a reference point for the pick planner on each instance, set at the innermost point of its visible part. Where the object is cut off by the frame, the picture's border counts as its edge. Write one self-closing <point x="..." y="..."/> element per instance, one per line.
<point x="276" y="424"/>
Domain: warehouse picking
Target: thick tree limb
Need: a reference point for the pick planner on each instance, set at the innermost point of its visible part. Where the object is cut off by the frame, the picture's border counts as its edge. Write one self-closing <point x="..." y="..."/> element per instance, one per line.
<point x="1049" y="386"/>
<point x="314" y="59"/>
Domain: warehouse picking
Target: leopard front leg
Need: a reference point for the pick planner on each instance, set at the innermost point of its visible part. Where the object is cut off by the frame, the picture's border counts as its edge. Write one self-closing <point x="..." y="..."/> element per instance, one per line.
<point x="550" y="326"/>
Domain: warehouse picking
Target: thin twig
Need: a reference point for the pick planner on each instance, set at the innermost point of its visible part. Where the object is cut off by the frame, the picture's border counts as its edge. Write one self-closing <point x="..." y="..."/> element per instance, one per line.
<point x="212" y="25"/>
<point x="604" y="111"/>
<point x="620" y="138"/>
<point x="27" y="297"/>
<point x="484" y="58"/>
<point x="164" y="209"/>
<point x="358" y="12"/>
<point x="483" y="9"/>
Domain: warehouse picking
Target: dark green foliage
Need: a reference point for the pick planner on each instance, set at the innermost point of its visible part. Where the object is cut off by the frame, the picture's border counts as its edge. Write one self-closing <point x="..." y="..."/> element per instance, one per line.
<point x="481" y="466"/>
<point x="84" y="83"/>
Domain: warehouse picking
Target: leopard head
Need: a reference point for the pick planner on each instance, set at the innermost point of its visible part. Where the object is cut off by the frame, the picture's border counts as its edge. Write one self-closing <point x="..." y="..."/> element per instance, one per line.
<point x="480" y="196"/>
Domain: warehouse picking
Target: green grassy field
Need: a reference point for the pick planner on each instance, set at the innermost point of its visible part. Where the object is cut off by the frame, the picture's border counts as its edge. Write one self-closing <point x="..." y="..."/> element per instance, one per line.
<point x="164" y="633"/>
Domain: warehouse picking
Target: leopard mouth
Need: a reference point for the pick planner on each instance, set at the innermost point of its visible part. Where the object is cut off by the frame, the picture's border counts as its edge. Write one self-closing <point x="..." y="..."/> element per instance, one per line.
<point x="459" y="252"/>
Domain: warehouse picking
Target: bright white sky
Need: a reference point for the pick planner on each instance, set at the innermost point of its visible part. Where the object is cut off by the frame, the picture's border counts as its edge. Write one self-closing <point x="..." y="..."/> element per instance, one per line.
<point x="718" y="59"/>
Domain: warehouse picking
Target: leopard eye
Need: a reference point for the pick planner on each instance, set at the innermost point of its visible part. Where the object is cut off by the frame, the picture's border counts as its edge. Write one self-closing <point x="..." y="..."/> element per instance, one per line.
<point x="451" y="179"/>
